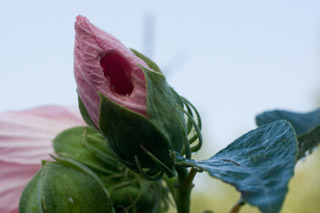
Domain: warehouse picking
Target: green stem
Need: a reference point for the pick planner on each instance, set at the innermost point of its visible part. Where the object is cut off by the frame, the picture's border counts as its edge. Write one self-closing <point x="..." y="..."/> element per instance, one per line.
<point x="170" y="183"/>
<point x="183" y="189"/>
<point x="237" y="206"/>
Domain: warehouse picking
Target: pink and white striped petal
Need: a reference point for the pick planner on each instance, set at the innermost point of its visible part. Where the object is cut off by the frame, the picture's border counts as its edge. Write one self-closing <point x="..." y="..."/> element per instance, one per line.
<point x="26" y="139"/>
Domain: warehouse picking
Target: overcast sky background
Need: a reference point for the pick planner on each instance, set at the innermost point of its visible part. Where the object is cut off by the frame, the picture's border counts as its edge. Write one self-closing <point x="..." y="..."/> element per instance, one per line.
<point x="232" y="59"/>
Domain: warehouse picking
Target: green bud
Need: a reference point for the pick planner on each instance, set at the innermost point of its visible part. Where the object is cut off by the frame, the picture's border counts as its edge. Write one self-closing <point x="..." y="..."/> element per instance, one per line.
<point x="65" y="186"/>
<point x="88" y="147"/>
<point x="128" y="190"/>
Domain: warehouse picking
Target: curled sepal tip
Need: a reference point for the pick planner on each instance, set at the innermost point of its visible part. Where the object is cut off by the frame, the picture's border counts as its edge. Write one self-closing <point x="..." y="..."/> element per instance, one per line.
<point x="197" y="129"/>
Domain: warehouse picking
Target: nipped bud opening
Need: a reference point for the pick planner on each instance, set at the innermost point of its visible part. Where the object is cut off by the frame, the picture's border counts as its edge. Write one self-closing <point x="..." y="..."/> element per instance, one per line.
<point x="117" y="72"/>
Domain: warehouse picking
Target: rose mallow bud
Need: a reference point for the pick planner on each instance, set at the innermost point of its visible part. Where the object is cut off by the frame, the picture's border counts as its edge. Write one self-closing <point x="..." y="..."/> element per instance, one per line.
<point x="124" y="95"/>
<point x="102" y="64"/>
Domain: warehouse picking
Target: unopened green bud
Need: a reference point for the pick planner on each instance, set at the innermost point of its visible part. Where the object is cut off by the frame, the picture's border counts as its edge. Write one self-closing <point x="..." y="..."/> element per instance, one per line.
<point x="65" y="186"/>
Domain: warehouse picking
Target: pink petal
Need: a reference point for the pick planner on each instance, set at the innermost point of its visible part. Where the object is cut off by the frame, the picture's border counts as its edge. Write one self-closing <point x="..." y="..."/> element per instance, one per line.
<point x="92" y="45"/>
<point x="14" y="178"/>
<point x="26" y="139"/>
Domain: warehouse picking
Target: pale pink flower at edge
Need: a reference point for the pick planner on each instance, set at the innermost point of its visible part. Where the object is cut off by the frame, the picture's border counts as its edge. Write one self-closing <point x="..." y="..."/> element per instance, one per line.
<point x="26" y="139"/>
<point x="102" y="64"/>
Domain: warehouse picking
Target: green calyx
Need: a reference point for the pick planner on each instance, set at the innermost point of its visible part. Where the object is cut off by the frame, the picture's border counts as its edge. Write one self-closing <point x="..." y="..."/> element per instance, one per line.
<point x="141" y="143"/>
<point x="125" y="131"/>
<point x="192" y="117"/>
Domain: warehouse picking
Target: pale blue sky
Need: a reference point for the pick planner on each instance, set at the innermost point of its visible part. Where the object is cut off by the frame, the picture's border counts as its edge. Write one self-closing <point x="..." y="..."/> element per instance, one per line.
<point x="238" y="57"/>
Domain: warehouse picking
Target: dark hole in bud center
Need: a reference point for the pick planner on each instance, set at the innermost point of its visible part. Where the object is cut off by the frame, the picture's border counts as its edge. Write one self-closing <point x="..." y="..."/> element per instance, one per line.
<point x="116" y="71"/>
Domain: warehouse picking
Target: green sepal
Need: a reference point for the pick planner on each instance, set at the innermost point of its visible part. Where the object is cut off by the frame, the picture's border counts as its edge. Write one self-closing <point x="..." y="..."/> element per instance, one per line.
<point x="126" y="130"/>
<point x="31" y="198"/>
<point x="87" y="146"/>
<point x="148" y="61"/>
<point x="85" y="114"/>
<point x="162" y="104"/>
<point x="164" y="129"/>
<point x="65" y="186"/>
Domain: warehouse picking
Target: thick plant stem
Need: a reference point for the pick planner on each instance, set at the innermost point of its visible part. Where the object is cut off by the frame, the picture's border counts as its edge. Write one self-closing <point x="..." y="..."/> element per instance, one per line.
<point x="183" y="189"/>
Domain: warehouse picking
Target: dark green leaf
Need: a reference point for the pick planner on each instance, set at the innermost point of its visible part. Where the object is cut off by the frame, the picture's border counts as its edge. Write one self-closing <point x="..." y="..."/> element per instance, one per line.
<point x="307" y="126"/>
<point x="302" y="122"/>
<point x="65" y="186"/>
<point x="259" y="164"/>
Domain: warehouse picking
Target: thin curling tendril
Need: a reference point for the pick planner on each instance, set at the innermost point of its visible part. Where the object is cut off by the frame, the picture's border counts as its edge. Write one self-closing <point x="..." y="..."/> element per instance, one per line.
<point x="197" y="129"/>
<point x="187" y="150"/>
<point x="189" y="124"/>
<point x="194" y="109"/>
<point x="189" y="110"/>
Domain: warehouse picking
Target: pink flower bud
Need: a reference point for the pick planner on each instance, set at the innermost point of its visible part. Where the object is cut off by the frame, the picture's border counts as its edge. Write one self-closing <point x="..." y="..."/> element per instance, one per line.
<point x="131" y="105"/>
<point x="102" y="64"/>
